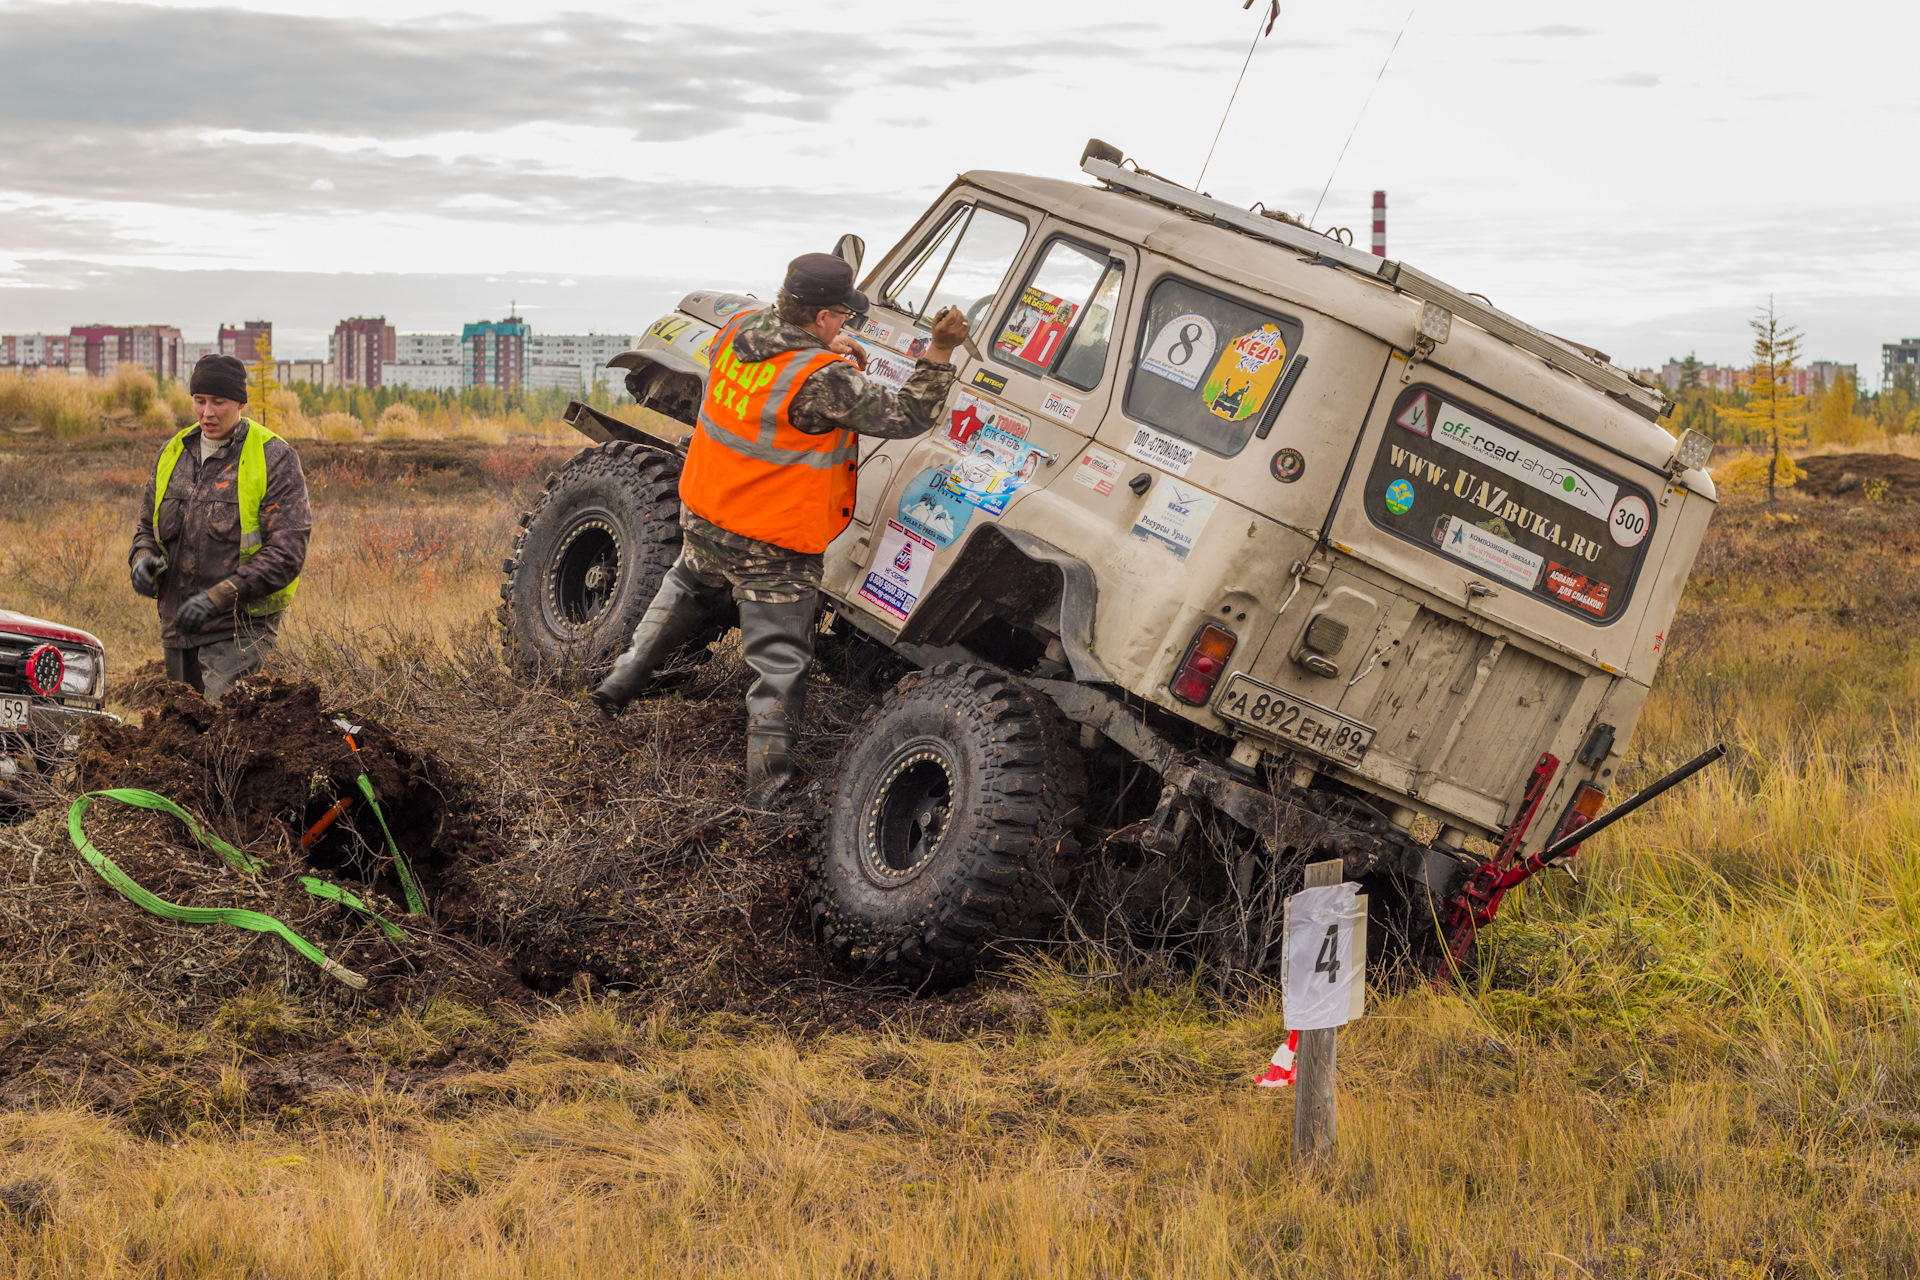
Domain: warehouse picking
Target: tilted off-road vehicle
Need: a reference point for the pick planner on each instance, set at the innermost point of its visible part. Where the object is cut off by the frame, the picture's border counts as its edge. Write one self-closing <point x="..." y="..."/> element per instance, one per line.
<point x="1239" y="549"/>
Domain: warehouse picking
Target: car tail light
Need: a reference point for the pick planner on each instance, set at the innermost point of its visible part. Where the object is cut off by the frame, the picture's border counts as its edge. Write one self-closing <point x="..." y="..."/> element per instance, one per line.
<point x="1205" y="662"/>
<point x="45" y="669"/>
<point x="1582" y="809"/>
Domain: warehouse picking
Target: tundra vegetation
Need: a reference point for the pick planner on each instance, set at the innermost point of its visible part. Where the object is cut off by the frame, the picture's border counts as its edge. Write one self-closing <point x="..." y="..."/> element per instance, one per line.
<point x="1701" y="1059"/>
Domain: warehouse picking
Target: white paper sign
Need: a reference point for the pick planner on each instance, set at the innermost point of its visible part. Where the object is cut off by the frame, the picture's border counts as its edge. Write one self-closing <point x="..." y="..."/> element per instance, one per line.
<point x="1170" y="453"/>
<point x="899" y="571"/>
<point x="1174" y="516"/>
<point x="1323" y="974"/>
<point x="1182" y="350"/>
<point x="1098" y="471"/>
<point x="1490" y="552"/>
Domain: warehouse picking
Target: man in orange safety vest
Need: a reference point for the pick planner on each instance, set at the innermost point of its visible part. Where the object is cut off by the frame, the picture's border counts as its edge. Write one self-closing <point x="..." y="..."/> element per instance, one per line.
<point x="769" y="482"/>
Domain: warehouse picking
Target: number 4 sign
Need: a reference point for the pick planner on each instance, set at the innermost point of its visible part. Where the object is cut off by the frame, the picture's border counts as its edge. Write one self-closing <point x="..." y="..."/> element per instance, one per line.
<point x="1324" y="971"/>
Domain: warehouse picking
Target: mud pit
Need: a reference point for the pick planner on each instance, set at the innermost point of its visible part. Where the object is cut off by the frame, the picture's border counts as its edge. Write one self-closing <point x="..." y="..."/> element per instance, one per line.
<point x="560" y="858"/>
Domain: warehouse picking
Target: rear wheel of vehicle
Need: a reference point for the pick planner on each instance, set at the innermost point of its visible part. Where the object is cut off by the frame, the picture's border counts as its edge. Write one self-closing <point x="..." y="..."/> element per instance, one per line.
<point x="954" y="808"/>
<point x="587" y="561"/>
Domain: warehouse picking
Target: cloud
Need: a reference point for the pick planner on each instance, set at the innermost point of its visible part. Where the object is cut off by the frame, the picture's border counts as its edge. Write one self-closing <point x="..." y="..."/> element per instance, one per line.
<point x="105" y="66"/>
<point x="1554" y="31"/>
<point x="1633" y="80"/>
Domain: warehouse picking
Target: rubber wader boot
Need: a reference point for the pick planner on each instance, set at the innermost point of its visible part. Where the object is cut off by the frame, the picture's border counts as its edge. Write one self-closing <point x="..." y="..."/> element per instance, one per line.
<point x="678" y="609"/>
<point x="777" y="642"/>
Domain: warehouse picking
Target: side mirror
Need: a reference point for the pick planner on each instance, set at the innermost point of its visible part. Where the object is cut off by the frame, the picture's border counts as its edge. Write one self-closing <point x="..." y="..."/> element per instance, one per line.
<point x="851" y="250"/>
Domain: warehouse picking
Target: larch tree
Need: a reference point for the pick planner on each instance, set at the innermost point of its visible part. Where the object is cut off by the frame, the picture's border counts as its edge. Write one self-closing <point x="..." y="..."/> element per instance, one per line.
<point x="262" y="382"/>
<point x="1772" y="412"/>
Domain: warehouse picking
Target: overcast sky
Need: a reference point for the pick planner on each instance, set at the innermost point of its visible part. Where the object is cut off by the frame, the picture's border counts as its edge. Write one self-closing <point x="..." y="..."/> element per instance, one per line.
<point x="1636" y="175"/>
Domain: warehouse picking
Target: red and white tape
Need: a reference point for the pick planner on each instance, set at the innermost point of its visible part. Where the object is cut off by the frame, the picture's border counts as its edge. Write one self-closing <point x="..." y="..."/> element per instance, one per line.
<point x="1280" y="1074"/>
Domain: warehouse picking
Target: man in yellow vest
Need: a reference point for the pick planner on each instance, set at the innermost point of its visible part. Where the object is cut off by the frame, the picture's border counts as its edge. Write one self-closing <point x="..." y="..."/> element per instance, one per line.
<point x="222" y="535"/>
<point x="769" y="482"/>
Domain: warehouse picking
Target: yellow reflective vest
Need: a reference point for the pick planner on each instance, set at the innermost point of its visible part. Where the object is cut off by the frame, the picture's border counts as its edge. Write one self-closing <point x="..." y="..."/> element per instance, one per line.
<point x="253" y="490"/>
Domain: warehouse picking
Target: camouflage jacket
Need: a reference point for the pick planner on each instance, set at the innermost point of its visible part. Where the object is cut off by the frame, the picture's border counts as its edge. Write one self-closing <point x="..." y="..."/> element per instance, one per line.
<point x="839" y="397"/>
<point x="200" y="528"/>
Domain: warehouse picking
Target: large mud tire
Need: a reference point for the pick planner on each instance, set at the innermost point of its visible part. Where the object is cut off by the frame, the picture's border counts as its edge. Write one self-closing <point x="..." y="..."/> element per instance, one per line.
<point x="954" y="810"/>
<point x="587" y="561"/>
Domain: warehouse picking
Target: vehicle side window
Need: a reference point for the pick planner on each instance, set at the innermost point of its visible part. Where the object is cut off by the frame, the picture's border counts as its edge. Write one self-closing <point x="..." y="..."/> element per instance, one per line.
<point x="962" y="265"/>
<point x="1054" y="321"/>
<point x="1207" y="365"/>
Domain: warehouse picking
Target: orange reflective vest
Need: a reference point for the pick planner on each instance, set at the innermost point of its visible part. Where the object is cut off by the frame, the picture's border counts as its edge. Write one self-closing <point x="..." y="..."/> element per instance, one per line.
<point x="750" y="470"/>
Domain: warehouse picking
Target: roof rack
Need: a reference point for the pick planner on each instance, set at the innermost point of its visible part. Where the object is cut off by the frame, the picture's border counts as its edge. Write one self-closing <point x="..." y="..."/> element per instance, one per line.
<point x="1581" y="362"/>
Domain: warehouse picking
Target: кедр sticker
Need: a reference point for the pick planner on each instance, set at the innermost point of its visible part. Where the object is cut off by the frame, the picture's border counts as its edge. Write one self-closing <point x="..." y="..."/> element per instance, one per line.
<point x="1245" y="373"/>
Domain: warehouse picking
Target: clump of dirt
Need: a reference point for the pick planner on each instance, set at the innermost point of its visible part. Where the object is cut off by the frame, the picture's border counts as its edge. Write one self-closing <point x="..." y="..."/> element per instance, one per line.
<point x="1862" y="477"/>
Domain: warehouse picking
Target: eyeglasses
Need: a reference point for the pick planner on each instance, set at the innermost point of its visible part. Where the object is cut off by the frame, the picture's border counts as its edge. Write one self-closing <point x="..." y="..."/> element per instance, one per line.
<point x="845" y="313"/>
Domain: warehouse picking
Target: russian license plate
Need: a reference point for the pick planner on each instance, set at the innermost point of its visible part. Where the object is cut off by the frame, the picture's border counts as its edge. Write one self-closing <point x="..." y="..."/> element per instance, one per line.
<point x="14" y="712"/>
<point x="1292" y="720"/>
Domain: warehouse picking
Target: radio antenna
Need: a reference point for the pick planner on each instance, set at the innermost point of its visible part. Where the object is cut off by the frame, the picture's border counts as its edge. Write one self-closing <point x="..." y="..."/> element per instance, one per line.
<point x="1273" y="13"/>
<point x="1356" y="120"/>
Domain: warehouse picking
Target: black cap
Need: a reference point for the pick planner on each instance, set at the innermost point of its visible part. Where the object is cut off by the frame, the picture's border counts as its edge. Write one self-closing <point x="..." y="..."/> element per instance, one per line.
<point x="822" y="280"/>
<point x="222" y="376"/>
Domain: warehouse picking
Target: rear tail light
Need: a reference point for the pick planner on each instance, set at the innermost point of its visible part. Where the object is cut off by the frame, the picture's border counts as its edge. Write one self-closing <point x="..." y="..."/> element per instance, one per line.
<point x="1204" y="664"/>
<point x="1584" y="808"/>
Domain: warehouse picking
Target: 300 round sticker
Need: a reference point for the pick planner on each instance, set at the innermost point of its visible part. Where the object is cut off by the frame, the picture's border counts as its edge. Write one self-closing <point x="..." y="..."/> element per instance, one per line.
<point x="1630" y="521"/>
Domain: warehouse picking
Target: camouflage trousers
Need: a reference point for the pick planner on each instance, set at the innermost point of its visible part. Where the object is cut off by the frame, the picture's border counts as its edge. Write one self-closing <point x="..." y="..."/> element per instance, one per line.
<point x="757" y="571"/>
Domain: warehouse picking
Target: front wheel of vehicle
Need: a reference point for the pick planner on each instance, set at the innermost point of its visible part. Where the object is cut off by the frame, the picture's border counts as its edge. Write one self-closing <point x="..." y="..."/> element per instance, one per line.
<point x="953" y="809"/>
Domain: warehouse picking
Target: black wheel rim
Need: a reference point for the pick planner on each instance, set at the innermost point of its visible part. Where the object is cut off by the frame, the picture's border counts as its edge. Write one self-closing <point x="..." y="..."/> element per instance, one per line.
<point x="584" y="572"/>
<point x="909" y="814"/>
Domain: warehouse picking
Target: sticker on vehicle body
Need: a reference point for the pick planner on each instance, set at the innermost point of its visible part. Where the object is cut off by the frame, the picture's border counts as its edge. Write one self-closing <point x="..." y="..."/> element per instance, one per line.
<point x="930" y="509"/>
<point x="1417" y="417"/>
<point x="887" y="369"/>
<point x="1399" y="497"/>
<point x="1060" y="407"/>
<point x="1098" y="471"/>
<point x="1245" y="373"/>
<point x="872" y="329"/>
<point x="1488" y="551"/>
<point x="1170" y="453"/>
<point x="899" y="571"/>
<point x="1182" y="350"/>
<point x="998" y="466"/>
<point x="1287" y="466"/>
<point x="988" y="380"/>
<point x="971" y="415"/>
<point x="1174" y="516"/>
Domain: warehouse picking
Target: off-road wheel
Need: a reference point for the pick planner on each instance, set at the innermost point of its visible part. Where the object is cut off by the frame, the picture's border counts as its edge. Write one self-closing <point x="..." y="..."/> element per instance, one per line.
<point x="954" y="810"/>
<point x="587" y="561"/>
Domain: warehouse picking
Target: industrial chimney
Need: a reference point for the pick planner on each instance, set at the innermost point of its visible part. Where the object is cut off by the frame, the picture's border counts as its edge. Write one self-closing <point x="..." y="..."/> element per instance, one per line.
<point x="1379" y="224"/>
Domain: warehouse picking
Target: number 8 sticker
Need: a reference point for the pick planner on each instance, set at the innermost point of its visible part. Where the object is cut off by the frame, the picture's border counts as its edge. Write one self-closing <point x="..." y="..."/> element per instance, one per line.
<point x="1630" y="521"/>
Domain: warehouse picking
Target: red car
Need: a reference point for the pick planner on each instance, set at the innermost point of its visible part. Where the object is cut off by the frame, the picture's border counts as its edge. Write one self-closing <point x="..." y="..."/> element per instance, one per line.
<point x="52" y="680"/>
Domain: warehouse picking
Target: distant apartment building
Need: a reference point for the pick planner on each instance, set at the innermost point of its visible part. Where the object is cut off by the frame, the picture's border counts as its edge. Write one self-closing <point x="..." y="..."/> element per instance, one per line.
<point x="424" y="362"/>
<point x="1816" y="377"/>
<point x="505" y="355"/>
<point x="1897" y="358"/>
<point x="494" y="353"/>
<point x="242" y="342"/>
<point x="33" y="351"/>
<point x="571" y="361"/>
<point x="359" y="349"/>
<point x="317" y="372"/>
<point x="100" y="348"/>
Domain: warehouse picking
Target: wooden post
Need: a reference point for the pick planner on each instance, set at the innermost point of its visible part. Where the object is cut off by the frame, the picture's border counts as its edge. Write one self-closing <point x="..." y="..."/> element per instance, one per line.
<point x="1314" y="1121"/>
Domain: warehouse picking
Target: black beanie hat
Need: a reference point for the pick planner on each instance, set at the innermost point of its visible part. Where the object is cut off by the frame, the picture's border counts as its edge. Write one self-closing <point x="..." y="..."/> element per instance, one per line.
<point x="222" y="376"/>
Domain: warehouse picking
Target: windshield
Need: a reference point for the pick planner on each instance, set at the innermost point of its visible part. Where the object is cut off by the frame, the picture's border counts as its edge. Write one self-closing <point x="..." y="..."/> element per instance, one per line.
<point x="961" y="266"/>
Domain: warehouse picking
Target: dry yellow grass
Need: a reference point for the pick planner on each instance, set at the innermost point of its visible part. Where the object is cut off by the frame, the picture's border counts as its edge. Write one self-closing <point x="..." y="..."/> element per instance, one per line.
<point x="1699" y="1061"/>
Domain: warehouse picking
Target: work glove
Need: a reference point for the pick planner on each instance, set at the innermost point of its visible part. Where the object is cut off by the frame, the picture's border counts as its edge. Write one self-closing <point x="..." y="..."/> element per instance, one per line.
<point x="196" y="613"/>
<point x="146" y="573"/>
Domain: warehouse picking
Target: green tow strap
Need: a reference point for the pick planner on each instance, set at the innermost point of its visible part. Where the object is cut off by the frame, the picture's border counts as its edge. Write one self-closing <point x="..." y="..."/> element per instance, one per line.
<point x="414" y="905"/>
<point x="238" y="917"/>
